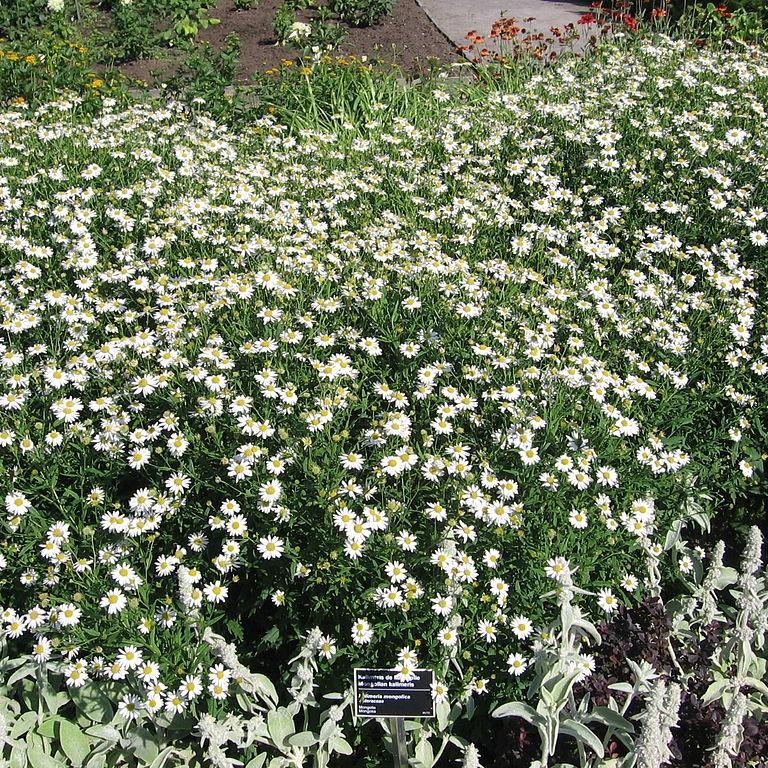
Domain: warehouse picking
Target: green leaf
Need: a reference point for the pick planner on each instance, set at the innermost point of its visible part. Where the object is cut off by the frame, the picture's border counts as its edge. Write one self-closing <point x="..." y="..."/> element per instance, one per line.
<point x="590" y="629"/>
<point x="715" y="691"/>
<point x="145" y="745"/>
<point x="19" y="757"/>
<point x="327" y="729"/>
<point x="425" y="755"/>
<point x="47" y="728"/>
<point x="257" y="761"/>
<point x="23" y="723"/>
<point x="38" y="759"/>
<point x="612" y="719"/>
<point x="6" y="665"/>
<point x="266" y="688"/>
<point x="280" y="725"/>
<point x="727" y="576"/>
<point x="518" y="709"/>
<point x="96" y="760"/>
<point x="92" y="702"/>
<point x="583" y="734"/>
<point x="162" y="758"/>
<point x="104" y="732"/>
<point x="442" y="710"/>
<point x="758" y="685"/>
<point x="303" y="739"/>
<point x="25" y="670"/>
<point x="340" y="745"/>
<point x="74" y="743"/>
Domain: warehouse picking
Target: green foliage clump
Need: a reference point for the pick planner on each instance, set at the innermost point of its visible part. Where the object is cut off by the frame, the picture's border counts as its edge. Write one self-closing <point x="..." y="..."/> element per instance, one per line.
<point x="44" y="66"/>
<point x="362" y="13"/>
<point x="135" y="35"/>
<point x="19" y="17"/>
<point x="188" y="17"/>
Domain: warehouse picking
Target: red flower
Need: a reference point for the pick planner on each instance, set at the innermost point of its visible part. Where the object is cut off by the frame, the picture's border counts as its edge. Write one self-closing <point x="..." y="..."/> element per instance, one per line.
<point x="587" y="18"/>
<point x="629" y="21"/>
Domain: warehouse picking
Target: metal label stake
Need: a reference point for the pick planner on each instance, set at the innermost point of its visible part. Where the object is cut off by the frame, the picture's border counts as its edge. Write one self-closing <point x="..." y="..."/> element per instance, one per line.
<point x="397" y="729"/>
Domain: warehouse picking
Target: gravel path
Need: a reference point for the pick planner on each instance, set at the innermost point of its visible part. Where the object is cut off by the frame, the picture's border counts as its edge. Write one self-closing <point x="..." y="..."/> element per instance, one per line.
<point x="457" y="17"/>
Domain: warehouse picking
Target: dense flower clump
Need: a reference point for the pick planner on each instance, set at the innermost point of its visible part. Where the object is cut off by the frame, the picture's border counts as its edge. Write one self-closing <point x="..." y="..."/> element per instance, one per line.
<point x="394" y="380"/>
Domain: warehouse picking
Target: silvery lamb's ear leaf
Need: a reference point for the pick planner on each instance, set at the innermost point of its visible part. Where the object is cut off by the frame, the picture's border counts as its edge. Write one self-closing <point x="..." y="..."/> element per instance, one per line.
<point x="590" y="629"/>
<point x="425" y="755"/>
<point x="519" y="709"/>
<point x="715" y="691"/>
<point x="727" y="576"/>
<point x="38" y="759"/>
<point x="612" y="719"/>
<point x="257" y="761"/>
<point x="265" y="687"/>
<point x="144" y="744"/>
<point x="442" y="711"/>
<point x="280" y="725"/>
<point x="303" y="739"/>
<point x="74" y="743"/>
<point x="162" y="757"/>
<point x="673" y="535"/>
<point x="25" y="670"/>
<point x="340" y="745"/>
<point x="91" y="701"/>
<point x="23" y="723"/>
<point x="583" y="734"/>
<point x="47" y="728"/>
<point x="6" y="665"/>
<point x="19" y="757"/>
<point x="758" y="685"/>
<point x="104" y="732"/>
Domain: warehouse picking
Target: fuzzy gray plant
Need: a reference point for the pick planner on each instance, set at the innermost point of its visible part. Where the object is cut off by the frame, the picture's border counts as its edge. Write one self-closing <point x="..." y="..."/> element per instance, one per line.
<point x="706" y="592"/>
<point x="660" y="716"/>
<point x="227" y="653"/>
<point x="731" y="733"/>
<point x="471" y="757"/>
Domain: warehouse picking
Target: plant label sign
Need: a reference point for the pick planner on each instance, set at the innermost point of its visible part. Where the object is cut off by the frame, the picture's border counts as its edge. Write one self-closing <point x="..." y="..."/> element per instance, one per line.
<point x="379" y="694"/>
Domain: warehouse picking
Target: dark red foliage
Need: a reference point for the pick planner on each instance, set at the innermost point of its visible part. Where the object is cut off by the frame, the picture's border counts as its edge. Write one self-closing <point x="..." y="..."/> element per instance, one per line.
<point x="643" y="633"/>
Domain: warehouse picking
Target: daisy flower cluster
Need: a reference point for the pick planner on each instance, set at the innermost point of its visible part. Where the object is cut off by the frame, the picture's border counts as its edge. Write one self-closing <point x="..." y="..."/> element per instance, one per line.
<point x="386" y="383"/>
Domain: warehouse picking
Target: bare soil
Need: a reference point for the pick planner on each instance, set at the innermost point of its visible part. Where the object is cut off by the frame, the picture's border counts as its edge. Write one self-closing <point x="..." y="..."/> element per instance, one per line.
<point x="406" y="37"/>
